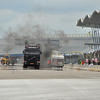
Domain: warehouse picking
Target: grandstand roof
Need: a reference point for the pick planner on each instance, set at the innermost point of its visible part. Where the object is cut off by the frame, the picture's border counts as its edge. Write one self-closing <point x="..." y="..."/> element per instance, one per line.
<point x="15" y="50"/>
<point x="90" y="20"/>
<point x="69" y="49"/>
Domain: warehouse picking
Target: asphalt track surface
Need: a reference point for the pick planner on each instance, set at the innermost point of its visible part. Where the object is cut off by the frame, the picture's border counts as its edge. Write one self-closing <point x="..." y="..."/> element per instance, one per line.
<point x="17" y="72"/>
<point x="48" y="84"/>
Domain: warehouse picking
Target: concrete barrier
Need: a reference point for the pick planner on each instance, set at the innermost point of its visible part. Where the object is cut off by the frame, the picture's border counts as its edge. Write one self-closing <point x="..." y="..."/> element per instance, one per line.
<point x="82" y="67"/>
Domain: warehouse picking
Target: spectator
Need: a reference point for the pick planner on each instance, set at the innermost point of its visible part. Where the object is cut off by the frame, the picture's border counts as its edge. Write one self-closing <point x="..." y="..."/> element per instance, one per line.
<point x="99" y="62"/>
<point x="93" y="62"/>
<point x="79" y="61"/>
<point x="82" y="62"/>
<point x="89" y="62"/>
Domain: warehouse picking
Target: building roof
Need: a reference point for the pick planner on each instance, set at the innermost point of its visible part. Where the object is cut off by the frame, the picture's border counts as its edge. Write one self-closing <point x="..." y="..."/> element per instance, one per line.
<point x="90" y="20"/>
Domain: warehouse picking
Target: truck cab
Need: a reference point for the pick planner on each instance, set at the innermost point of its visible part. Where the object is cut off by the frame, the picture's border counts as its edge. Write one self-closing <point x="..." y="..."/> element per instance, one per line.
<point x="32" y="56"/>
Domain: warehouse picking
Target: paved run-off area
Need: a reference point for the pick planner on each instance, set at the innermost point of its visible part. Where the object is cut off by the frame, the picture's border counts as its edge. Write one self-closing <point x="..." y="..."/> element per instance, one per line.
<point x="49" y="84"/>
<point x="50" y="89"/>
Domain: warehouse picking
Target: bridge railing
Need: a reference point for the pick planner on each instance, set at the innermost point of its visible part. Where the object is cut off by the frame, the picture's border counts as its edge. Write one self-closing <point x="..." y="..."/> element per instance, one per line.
<point x="67" y="35"/>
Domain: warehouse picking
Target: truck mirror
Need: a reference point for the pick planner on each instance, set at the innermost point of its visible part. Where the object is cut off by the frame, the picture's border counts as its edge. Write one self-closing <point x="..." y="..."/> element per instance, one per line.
<point x="23" y="51"/>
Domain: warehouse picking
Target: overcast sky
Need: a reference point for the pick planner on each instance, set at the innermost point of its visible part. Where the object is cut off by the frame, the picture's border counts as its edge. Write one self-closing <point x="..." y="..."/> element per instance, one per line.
<point x="49" y="14"/>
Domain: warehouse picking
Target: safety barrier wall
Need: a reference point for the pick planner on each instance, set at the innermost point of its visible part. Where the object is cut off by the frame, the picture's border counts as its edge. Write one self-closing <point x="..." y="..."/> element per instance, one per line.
<point x="82" y="67"/>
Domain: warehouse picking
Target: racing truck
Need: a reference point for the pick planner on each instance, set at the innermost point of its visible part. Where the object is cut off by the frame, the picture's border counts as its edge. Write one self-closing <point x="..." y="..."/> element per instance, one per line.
<point x="32" y="56"/>
<point x="56" y="61"/>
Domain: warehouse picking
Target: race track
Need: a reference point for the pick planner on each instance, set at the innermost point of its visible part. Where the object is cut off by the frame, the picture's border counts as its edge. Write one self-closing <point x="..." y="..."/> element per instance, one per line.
<point x="48" y="84"/>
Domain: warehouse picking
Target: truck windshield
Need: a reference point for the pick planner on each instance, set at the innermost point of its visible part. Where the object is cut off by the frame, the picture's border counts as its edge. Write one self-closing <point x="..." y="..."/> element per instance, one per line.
<point x="31" y="51"/>
<point x="7" y="57"/>
<point x="57" y="60"/>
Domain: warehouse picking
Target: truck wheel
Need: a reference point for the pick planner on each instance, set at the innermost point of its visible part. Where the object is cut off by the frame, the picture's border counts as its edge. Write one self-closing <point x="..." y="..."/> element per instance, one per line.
<point x="38" y="67"/>
<point x="8" y="62"/>
<point x="35" y="67"/>
<point x="24" y="66"/>
<point x="2" y="62"/>
<point x="12" y="64"/>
